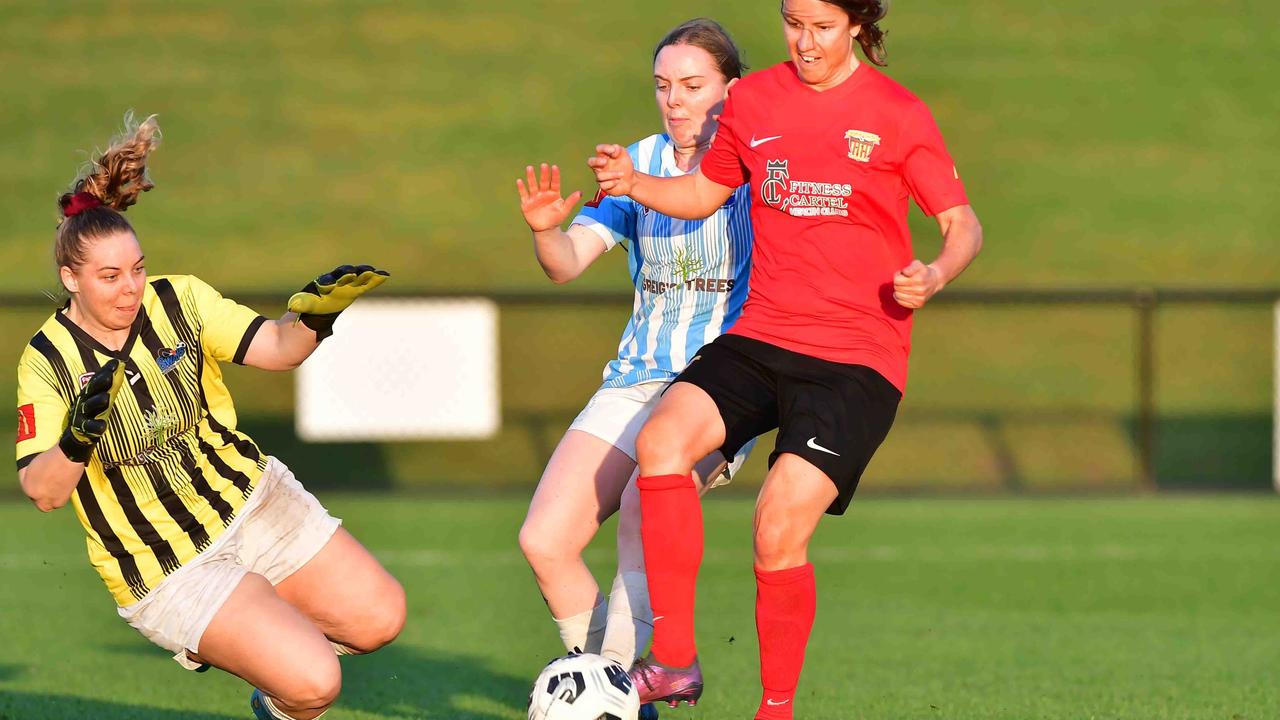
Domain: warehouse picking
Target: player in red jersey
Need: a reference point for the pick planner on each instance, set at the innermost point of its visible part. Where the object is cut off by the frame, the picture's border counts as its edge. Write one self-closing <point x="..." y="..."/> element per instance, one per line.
<point x="832" y="149"/>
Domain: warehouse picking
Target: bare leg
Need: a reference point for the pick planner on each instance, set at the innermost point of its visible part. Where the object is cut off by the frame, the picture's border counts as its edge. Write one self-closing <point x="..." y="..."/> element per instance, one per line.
<point x="259" y="637"/>
<point x="685" y="428"/>
<point x="794" y="497"/>
<point x="580" y="488"/>
<point x="348" y="595"/>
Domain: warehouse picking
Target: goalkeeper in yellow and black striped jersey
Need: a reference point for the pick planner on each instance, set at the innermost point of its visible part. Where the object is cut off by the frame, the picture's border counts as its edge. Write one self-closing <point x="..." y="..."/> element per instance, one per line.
<point x="208" y="545"/>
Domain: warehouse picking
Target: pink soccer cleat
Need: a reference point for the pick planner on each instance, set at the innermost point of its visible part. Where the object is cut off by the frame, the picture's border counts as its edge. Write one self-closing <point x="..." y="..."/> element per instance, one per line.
<point x="657" y="682"/>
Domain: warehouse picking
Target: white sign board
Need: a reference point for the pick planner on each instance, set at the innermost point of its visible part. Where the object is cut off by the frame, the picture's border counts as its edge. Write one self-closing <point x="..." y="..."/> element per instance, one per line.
<point x="411" y="369"/>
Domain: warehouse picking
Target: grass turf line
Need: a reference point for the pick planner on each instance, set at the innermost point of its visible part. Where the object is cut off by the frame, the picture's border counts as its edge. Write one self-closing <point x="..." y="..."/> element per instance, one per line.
<point x="928" y="608"/>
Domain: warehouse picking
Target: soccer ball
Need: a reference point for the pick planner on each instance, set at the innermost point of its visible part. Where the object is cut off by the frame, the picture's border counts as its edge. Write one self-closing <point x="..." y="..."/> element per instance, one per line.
<point x="582" y="686"/>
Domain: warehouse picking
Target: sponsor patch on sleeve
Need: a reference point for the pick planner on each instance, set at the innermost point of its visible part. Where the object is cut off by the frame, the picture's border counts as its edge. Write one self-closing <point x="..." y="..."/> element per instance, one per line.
<point x="26" y="422"/>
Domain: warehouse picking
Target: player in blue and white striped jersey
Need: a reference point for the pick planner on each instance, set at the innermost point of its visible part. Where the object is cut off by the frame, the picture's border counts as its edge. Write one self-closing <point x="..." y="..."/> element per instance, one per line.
<point x="690" y="275"/>
<point x="691" y="282"/>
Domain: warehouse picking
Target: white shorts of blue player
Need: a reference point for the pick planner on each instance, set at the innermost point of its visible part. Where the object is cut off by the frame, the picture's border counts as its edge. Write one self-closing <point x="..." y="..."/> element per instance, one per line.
<point x="616" y="414"/>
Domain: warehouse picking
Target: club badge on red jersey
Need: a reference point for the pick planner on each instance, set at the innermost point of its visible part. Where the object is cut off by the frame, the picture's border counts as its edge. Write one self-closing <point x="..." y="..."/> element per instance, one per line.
<point x="803" y="198"/>
<point x="26" y="422"/>
<point x="775" y="185"/>
<point x="861" y="143"/>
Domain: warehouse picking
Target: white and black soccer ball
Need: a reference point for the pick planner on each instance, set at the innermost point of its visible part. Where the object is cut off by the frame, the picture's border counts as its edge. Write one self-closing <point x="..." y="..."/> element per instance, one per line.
<point x="582" y="686"/>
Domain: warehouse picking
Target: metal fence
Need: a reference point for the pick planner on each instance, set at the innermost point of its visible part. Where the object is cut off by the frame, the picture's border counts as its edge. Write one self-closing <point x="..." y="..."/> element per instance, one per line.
<point x="1194" y="338"/>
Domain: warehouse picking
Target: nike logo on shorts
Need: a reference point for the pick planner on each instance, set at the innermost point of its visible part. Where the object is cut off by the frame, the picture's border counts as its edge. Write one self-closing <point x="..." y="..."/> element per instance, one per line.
<point x="775" y="704"/>
<point x="761" y="141"/>
<point x="813" y="444"/>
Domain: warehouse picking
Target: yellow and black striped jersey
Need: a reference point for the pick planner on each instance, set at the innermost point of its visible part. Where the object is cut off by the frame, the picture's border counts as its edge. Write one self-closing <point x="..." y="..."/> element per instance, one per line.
<point x="171" y="471"/>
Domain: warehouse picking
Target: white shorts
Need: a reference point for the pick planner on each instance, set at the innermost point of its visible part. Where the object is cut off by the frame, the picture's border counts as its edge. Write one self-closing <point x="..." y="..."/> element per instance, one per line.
<point x="280" y="527"/>
<point x="615" y="415"/>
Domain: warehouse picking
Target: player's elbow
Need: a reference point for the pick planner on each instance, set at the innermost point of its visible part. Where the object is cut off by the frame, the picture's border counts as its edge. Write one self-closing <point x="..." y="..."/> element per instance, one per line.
<point x="972" y="227"/>
<point x="973" y="238"/>
<point x="963" y="228"/>
<point x="976" y="234"/>
<point x="285" y="357"/>
<point x="560" y="275"/>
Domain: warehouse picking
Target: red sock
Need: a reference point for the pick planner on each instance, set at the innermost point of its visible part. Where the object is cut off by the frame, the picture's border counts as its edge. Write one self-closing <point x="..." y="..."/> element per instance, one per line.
<point x="671" y="532"/>
<point x="786" y="601"/>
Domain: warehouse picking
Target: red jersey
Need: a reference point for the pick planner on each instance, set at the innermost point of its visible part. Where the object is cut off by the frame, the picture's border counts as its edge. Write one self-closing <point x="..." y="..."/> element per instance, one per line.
<point x="830" y="176"/>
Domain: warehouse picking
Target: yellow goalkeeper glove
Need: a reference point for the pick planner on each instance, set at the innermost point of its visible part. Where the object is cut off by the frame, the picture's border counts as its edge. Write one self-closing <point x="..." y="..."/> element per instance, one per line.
<point x="319" y="303"/>
<point x="87" y="418"/>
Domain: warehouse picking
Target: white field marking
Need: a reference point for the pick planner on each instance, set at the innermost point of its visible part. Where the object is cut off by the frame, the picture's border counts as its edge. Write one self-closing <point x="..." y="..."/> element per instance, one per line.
<point x="601" y="557"/>
<point x="1018" y="553"/>
<point x="439" y="557"/>
<point x="29" y="561"/>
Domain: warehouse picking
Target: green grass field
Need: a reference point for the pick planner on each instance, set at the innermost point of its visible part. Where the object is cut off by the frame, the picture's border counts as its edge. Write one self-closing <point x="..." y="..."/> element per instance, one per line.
<point x="928" y="609"/>
<point x="1103" y="145"/>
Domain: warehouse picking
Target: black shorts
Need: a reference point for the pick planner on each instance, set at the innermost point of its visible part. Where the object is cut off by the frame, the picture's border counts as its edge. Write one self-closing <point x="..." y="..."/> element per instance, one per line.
<point x="831" y="414"/>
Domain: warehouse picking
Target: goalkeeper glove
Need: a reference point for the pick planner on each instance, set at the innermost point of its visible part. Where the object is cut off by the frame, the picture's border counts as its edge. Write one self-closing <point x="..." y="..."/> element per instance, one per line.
<point x="87" y="419"/>
<point x="319" y="303"/>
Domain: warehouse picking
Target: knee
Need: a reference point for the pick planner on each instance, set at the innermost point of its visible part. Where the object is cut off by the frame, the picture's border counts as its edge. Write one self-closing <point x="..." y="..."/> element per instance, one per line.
<point x="777" y="548"/>
<point x="315" y="687"/>
<point x="661" y="443"/>
<point x="384" y="623"/>
<point x="541" y="546"/>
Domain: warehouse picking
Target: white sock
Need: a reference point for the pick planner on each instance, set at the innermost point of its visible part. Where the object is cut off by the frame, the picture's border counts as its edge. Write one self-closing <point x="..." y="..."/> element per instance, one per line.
<point x="584" y="631"/>
<point x="630" y="618"/>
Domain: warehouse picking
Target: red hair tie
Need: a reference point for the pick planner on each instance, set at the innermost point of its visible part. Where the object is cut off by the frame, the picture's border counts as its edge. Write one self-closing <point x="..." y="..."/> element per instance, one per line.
<point x="80" y="202"/>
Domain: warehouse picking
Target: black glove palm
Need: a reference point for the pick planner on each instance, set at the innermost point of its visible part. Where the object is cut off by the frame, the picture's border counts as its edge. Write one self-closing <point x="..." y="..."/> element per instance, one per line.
<point x="87" y="418"/>
<point x="321" y="300"/>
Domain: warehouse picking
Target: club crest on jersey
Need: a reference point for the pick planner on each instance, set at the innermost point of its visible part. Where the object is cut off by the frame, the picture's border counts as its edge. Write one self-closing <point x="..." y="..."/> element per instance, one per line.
<point x="803" y="198"/>
<point x="168" y="358"/>
<point x="861" y="143"/>
<point x="775" y="183"/>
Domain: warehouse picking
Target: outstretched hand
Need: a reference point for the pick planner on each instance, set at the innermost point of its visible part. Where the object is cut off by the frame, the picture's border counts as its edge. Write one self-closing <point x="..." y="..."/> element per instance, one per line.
<point x="540" y="201"/>
<point x="613" y="168"/>
<point x="915" y="284"/>
<point x="320" y="301"/>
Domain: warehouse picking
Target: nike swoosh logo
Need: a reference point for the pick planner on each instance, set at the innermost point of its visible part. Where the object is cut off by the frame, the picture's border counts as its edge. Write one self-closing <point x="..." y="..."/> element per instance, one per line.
<point x="761" y="141"/>
<point x="656" y="618"/>
<point x="775" y="704"/>
<point x="813" y="443"/>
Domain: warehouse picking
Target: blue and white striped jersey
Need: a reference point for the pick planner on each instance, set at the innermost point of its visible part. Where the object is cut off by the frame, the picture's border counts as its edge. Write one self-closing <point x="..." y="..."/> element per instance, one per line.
<point x="690" y="275"/>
